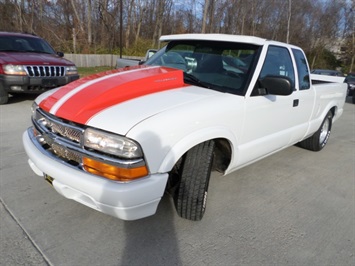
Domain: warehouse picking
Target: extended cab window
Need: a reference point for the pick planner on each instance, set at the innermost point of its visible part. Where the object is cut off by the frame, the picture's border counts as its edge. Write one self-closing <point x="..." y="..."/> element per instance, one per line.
<point x="278" y="62"/>
<point x="302" y="68"/>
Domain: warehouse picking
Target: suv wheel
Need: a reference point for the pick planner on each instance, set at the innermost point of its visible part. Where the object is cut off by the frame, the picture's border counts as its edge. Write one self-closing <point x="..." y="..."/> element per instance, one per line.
<point x="4" y="97"/>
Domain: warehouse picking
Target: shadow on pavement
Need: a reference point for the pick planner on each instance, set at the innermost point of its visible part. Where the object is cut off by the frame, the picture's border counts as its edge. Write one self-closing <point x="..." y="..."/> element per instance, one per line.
<point x="16" y="98"/>
<point x="152" y="241"/>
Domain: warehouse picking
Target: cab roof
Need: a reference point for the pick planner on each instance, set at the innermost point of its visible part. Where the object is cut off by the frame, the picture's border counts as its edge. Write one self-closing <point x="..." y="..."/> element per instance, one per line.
<point x="214" y="37"/>
<point x="221" y="37"/>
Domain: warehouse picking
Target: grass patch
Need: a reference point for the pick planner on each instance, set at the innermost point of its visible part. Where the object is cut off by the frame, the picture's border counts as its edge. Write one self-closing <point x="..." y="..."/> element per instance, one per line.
<point x="85" y="71"/>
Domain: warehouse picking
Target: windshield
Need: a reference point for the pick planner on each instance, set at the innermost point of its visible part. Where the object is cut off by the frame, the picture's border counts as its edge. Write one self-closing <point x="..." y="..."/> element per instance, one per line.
<point x="24" y="44"/>
<point x="223" y="66"/>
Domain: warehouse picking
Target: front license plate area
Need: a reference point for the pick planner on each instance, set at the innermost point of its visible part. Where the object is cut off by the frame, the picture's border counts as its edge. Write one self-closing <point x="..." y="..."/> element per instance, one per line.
<point x="49" y="83"/>
<point x="49" y="179"/>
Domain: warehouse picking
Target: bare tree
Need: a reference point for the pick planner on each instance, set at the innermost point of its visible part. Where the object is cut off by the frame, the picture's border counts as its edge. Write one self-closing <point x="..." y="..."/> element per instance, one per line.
<point x="129" y="22"/>
<point x="205" y="14"/>
<point x="78" y="20"/>
<point x="289" y="20"/>
<point x="139" y="20"/>
<point x="20" y="7"/>
<point x="89" y="24"/>
<point x="158" y="22"/>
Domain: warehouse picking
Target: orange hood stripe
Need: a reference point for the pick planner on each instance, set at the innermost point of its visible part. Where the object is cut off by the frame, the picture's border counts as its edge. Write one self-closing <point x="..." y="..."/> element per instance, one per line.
<point x="81" y="100"/>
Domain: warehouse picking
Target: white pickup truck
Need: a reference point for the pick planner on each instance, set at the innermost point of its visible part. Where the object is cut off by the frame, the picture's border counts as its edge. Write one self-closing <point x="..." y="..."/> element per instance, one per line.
<point x="205" y="102"/>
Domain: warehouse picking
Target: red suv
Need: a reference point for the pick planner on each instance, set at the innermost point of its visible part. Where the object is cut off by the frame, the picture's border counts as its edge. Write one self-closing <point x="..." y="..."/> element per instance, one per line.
<point x="28" y="64"/>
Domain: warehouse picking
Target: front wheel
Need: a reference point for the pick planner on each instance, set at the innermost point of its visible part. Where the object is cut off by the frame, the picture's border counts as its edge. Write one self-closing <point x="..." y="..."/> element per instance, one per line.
<point x="4" y="97"/>
<point x="194" y="174"/>
<point x="320" y="138"/>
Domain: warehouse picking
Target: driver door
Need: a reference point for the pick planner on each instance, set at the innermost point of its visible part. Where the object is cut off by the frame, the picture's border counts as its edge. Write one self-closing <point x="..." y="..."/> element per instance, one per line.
<point x="269" y="118"/>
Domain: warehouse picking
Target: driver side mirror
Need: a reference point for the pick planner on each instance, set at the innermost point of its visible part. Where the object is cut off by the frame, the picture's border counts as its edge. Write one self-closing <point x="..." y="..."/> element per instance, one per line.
<point x="275" y="85"/>
<point x="60" y="54"/>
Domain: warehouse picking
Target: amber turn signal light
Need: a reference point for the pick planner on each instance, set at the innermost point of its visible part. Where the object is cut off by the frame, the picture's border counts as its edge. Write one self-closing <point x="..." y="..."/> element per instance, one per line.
<point x="113" y="172"/>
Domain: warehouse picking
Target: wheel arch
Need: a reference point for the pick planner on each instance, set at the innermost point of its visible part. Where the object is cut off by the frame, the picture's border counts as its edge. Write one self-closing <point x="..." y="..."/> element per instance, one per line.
<point x="334" y="107"/>
<point x="334" y="111"/>
<point x="224" y="140"/>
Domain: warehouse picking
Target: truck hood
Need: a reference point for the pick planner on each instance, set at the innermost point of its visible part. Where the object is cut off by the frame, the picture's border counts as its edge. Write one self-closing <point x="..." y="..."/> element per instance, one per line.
<point x="118" y="100"/>
<point x="33" y="59"/>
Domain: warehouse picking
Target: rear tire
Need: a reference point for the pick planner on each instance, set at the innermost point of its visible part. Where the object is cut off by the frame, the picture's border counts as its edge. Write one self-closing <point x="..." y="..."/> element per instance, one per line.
<point x="320" y="138"/>
<point x="194" y="172"/>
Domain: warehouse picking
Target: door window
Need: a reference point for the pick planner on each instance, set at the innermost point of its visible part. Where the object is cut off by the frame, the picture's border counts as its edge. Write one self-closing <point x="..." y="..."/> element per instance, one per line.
<point x="278" y="62"/>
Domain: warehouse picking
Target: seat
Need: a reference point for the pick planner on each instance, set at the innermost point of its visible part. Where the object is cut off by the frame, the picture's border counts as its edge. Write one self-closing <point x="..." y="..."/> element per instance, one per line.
<point x="210" y="63"/>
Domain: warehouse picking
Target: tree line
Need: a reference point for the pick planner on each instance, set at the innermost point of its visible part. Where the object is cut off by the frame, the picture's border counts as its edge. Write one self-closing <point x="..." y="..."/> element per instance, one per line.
<point x="323" y="28"/>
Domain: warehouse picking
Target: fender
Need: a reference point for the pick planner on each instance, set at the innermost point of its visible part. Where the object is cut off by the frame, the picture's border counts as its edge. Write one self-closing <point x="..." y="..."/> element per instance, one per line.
<point x="315" y="123"/>
<point x="166" y="136"/>
<point x="193" y="139"/>
<point x="332" y="98"/>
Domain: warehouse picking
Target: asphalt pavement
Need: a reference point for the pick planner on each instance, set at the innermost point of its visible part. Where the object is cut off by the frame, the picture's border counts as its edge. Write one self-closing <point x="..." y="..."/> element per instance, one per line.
<point x="295" y="207"/>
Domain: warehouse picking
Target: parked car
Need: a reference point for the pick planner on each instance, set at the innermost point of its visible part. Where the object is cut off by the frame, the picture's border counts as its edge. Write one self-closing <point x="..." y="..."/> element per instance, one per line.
<point x="350" y="80"/>
<point x="28" y="64"/>
<point x="327" y="72"/>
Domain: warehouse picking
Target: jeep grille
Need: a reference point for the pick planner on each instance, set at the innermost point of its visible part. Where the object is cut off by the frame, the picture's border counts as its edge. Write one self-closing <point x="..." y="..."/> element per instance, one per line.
<point x="45" y="71"/>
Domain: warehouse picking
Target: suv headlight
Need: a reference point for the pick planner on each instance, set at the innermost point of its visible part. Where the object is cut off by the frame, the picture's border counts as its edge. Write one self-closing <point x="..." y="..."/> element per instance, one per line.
<point x="14" y="70"/>
<point x="71" y="70"/>
<point x="111" y="144"/>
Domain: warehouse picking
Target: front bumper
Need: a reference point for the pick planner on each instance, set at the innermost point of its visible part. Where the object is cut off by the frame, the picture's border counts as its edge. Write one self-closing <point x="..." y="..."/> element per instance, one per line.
<point x="25" y="84"/>
<point x="127" y="201"/>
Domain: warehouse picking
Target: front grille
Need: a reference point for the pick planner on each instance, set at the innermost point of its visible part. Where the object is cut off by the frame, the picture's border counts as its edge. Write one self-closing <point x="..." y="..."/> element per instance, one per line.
<point x="66" y="154"/>
<point x="45" y="71"/>
<point x="61" y="137"/>
<point x="60" y="128"/>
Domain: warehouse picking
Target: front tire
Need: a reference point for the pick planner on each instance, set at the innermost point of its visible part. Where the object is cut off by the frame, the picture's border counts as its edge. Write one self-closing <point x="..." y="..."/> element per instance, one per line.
<point x="4" y="96"/>
<point x="320" y="138"/>
<point x="194" y="174"/>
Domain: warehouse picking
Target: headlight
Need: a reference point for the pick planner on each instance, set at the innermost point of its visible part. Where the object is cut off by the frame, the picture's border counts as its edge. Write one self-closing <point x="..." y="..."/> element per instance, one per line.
<point x="71" y="70"/>
<point x="14" y="70"/>
<point x="111" y="144"/>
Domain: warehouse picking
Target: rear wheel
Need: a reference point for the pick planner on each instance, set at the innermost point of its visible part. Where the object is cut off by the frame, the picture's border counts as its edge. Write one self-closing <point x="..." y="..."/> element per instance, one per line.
<point x="194" y="173"/>
<point x="320" y="138"/>
<point x="354" y="97"/>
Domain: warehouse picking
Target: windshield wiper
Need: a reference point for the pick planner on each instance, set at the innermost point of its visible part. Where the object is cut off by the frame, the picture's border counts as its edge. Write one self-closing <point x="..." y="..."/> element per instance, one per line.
<point x="189" y="78"/>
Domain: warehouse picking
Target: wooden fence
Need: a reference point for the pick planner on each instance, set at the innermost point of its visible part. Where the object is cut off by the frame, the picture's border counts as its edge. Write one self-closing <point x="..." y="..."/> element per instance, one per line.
<point x="93" y="60"/>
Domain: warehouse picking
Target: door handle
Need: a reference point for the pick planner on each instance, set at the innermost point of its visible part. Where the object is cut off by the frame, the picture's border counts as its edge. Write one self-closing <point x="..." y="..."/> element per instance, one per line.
<point x="296" y="102"/>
